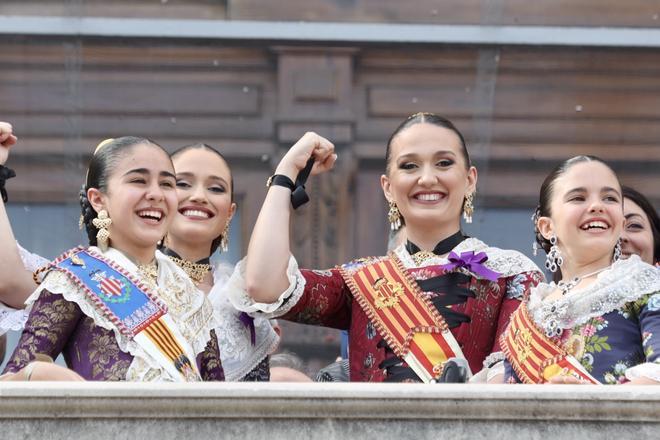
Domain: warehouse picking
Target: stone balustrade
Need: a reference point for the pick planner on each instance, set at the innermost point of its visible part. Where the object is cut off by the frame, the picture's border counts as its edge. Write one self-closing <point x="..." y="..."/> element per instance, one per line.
<point x="272" y="411"/>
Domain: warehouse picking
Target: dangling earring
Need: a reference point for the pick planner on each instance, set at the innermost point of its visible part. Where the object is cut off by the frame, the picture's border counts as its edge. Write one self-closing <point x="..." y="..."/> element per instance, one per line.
<point x="224" y="240"/>
<point x="617" y="251"/>
<point x="535" y="248"/>
<point x="394" y="216"/>
<point x="102" y="222"/>
<point x="468" y="208"/>
<point x="553" y="260"/>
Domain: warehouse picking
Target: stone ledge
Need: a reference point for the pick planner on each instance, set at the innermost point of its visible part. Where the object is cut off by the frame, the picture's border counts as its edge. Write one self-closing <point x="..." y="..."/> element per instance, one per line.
<point x="278" y="411"/>
<point x="338" y="401"/>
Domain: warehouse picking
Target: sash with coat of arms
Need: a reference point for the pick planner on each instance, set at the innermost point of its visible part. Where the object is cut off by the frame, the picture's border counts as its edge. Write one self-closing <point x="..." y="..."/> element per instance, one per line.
<point x="407" y="320"/>
<point x="130" y="305"/>
<point x="534" y="357"/>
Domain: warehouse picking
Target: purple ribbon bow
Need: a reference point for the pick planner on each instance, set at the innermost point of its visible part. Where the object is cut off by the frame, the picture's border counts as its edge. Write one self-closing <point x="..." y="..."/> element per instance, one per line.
<point x="248" y="321"/>
<point x="472" y="262"/>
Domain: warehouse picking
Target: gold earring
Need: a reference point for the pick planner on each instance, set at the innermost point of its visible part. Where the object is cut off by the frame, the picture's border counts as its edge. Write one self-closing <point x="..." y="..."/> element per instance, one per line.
<point x="394" y="216"/>
<point x="102" y="222"/>
<point x="468" y="208"/>
<point x="224" y="240"/>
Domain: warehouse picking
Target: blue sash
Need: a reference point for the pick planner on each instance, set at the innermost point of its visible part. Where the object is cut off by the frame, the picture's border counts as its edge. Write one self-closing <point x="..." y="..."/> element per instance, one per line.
<point x="130" y="306"/>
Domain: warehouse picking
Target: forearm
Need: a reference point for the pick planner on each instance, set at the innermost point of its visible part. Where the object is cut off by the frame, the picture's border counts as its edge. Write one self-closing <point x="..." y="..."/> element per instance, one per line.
<point x="269" y="249"/>
<point x="269" y="252"/>
<point x="16" y="282"/>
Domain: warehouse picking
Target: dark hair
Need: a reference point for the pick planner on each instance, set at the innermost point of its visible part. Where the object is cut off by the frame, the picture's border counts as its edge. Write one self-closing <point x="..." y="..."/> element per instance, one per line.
<point x="101" y="166"/>
<point x="426" y="118"/>
<point x="651" y="214"/>
<point x="200" y="146"/>
<point x="547" y="188"/>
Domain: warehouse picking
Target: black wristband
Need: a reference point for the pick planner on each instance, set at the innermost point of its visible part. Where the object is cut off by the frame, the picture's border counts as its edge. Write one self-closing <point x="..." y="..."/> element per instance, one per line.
<point x="298" y="195"/>
<point x="280" y="180"/>
<point x="5" y="174"/>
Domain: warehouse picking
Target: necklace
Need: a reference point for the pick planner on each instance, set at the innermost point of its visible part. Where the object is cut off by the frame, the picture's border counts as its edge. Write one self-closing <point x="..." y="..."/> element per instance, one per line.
<point x="149" y="272"/>
<point x="195" y="271"/>
<point x="567" y="286"/>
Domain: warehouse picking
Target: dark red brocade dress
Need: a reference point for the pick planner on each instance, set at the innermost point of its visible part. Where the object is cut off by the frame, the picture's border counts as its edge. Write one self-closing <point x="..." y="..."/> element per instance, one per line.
<point x="321" y="297"/>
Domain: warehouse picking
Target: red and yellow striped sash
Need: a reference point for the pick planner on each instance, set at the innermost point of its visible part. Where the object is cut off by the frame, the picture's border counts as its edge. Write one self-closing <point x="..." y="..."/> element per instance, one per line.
<point x="534" y="357"/>
<point x="407" y="320"/>
<point x="164" y="340"/>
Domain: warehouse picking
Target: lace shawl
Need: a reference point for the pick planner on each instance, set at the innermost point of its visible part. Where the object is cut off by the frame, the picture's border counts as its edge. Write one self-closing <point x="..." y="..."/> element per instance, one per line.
<point x="238" y="355"/>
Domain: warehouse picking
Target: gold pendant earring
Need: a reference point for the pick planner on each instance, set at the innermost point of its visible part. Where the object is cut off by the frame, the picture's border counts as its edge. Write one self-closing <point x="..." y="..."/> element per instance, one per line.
<point x="224" y="241"/>
<point x="468" y="208"/>
<point x="394" y="216"/>
<point x="102" y="222"/>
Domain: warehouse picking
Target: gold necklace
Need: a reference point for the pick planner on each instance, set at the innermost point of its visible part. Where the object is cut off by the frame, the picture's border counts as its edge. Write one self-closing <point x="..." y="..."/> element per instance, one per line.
<point x="196" y="271"/>
<point x="149" y="272"/>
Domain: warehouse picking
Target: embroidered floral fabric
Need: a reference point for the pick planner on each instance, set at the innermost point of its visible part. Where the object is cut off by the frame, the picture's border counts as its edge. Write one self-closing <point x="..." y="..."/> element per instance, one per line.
<point x="612" y="327"/>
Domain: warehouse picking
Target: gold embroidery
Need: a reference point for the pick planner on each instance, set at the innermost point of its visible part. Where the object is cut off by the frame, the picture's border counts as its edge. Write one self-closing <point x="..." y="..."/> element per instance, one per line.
<point x="522" y="338"/>
<point x="388" y="293"/>
<point x="103" y="354"/>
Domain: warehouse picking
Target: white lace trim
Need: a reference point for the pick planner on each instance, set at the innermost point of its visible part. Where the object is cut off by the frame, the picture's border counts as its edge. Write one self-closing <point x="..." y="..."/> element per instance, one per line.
<point x="238" y="355"/>
<point x="237" y="292"/>
<point x="626" y="280"/>
<point x="194" y="320"/>
<point x="646" y="370"/>
<point x="31" y="261"/>
<point x="12" y="319"/>
<point x="493" y="358"/>
<point x="506" y="262"/>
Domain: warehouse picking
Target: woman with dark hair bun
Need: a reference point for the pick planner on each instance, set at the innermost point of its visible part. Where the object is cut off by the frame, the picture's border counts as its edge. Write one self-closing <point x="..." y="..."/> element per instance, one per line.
<point x="440" y="296"/>
<point x="600" y="321"/>
<point x="120" y="310"/>
<point x="641" y="233"/>
<point x="205" y="192"/>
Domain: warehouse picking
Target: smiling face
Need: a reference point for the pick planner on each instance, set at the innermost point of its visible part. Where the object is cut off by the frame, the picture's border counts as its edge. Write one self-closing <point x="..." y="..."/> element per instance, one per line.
<point x="203" y="181"/>
<point x="637" y="237"/>
<point x="586" y="212"/>
<point x="428" y="178"/>
<point x="140" y="198"/>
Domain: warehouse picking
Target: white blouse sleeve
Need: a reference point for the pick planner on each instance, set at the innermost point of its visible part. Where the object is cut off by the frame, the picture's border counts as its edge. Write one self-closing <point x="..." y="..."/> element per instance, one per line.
<point x="237" y="292"/>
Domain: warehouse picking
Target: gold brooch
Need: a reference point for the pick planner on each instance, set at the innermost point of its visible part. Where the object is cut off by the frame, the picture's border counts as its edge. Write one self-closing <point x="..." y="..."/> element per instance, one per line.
<point x="421" y="256"/>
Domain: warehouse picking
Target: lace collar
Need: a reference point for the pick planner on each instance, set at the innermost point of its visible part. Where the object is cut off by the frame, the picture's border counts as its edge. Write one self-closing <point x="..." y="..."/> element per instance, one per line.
<point x="626" y="280"/>
<point x="504" y="261"/>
